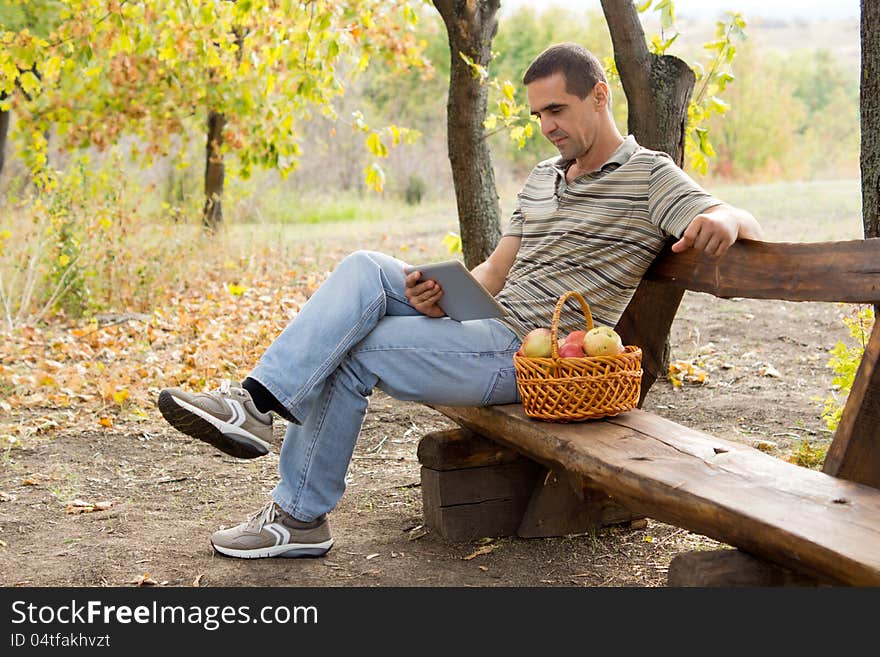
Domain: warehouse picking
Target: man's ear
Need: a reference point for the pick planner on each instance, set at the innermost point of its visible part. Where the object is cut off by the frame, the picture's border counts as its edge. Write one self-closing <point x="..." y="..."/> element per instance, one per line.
<point x="601" y="95"/>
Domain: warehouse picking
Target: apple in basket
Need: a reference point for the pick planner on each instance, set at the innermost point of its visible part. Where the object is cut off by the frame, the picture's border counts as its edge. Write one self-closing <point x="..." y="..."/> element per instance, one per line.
<point x="576" y="337"/>
<point x="571" y="350"/>
<point x="602" y="341"/>
<point x="536" y="344"/>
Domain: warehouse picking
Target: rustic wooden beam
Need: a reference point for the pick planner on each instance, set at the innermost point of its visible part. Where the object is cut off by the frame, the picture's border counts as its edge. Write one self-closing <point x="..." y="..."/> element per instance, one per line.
<point x="844" y="271"/>
<point x="646" y="323"/>
<point x="808" y="521"/>
<point x="730" y="568"/>
<point x="855" y="451"/>
<point x="560" y="506"/>
<point x="454" y="449"/>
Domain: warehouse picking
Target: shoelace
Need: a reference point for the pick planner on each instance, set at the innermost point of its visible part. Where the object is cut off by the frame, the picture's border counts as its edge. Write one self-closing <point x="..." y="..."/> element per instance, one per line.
<point x="225" y="386"/>
<point x="262" y="518"/>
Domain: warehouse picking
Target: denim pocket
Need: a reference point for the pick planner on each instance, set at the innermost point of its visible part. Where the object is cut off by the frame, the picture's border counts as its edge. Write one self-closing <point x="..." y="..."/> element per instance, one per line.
<point x="503" y="389"/>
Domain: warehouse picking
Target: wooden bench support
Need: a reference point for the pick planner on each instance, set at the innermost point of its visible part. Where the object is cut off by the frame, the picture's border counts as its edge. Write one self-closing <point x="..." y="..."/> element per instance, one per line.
<point x="730" y="568"/>
<point x="812" y="523"/>
<point x="855" y="452"/>
<point x="473" y="487"/>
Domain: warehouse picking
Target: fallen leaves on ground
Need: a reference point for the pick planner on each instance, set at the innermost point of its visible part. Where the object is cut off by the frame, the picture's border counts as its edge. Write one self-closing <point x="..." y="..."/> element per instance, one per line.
<point x="486" y="549"/>
<point x="99" y="373"/>
<point x="144" y="580"/>
<point x="768" y="370"/>
<point x="79" y="506"/>
<point x="686" y="371"/>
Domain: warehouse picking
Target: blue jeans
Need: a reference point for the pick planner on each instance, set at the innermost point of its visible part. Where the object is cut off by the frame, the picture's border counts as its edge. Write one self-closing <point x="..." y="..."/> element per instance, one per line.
<point x="358" y="332"/>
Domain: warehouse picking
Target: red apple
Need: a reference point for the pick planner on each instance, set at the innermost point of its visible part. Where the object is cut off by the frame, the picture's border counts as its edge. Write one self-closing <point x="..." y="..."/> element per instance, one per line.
<point x="536" y="344"/>
<point x="576" y="337"/>
<point x="602" y="341"/>
<point x="571" y="350"/>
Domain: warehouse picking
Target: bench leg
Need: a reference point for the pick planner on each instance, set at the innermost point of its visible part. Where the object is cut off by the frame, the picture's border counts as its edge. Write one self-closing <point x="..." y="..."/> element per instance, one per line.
<point x="559" y="507"/>
<point x="730" y="568"/>
<point x="473" y="487"/>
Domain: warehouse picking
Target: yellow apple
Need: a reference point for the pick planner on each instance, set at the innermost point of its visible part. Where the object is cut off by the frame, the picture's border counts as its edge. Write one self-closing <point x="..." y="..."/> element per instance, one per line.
<point x="602" y="341"/>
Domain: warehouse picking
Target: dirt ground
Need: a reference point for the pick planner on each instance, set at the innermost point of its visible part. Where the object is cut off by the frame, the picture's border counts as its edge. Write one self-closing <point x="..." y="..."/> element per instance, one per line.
<point x="765" y="366"/>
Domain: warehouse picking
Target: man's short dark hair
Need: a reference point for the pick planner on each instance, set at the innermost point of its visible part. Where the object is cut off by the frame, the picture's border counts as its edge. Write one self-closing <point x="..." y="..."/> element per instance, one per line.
<point x="578" y="66"/>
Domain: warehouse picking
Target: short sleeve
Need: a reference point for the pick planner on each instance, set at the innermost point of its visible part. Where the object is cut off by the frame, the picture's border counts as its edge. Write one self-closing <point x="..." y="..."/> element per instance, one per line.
<point x="674" y="198"/>
<point x="515" y="225"/>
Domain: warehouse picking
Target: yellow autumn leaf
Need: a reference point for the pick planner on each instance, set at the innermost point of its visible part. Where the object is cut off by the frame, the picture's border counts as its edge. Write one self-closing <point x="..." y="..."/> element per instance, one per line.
<point x="236" y="290"/>
<point x="106" y="422"/>
<point x="375" y="145"/>
<point x="374" y="177"/>
<point x="120" y="396"/>
<point x="452" y="242"/>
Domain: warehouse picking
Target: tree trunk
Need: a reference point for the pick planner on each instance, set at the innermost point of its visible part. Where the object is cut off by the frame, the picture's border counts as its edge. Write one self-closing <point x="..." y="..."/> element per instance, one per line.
<point x="870" y="113"/>
<point x="4" y="132"/>
<point x="471" y="26"/>
<point x="657" y="87"/>
<point x="658" y="90"/>
<point x="215" y="172"/>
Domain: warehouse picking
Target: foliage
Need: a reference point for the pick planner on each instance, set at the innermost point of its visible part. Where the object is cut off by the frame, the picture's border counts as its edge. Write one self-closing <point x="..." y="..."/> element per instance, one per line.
<point x="154" y="69"/>
<point x="711" y="82"/>
<point x="809" y="456"/>
<point x="845" y="360"/>
<point x="85" y="246"/>
<point x="452" y="242"/>
<point x="415" y="190"/>
<point x="782" y="129"/>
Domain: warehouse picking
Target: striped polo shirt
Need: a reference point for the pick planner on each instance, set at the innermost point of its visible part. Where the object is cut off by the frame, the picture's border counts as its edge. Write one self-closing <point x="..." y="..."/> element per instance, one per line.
<point x="597" y="234"/>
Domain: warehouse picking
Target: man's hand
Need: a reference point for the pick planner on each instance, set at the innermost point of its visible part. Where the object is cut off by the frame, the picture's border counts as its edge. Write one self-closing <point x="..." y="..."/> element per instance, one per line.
<point x="716" y="229"/>
<point x="424" y="295"/>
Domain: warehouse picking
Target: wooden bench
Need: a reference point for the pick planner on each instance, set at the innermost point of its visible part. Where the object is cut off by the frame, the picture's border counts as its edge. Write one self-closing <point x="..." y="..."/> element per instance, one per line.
<point x="504" y="473"/>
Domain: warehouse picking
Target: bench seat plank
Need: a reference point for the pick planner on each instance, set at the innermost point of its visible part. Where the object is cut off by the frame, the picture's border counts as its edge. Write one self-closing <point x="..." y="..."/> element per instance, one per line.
<point x="806" y="520"/>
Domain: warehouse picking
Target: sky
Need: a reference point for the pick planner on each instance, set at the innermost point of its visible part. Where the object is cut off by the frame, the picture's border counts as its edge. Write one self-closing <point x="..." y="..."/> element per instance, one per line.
<point x="807" y="9"/>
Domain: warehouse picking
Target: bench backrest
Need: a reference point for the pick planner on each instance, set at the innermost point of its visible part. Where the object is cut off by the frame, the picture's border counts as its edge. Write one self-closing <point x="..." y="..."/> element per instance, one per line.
<point x="845" y="271"/>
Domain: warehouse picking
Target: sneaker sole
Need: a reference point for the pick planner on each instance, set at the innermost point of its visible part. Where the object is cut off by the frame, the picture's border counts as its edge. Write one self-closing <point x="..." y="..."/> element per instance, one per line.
<point x="196" y="423"/>
<point x="289" y="550"/>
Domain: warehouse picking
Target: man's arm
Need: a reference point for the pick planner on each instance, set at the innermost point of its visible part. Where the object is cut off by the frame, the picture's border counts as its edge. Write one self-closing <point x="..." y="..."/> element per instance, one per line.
<point x="716" y="229"/>
<point x="492" y="273"/>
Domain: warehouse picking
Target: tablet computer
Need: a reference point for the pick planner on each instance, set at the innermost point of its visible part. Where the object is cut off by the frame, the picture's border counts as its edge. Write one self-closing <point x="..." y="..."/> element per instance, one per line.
<point x="464" y="297"/>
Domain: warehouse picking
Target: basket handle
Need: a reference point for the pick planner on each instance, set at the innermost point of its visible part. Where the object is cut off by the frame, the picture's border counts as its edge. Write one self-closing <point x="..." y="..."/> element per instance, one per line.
<point x="554" y="326"/>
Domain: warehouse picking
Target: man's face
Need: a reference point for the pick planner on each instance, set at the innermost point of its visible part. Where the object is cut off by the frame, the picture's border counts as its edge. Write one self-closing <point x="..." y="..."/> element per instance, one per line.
<point x="570" y="123"/>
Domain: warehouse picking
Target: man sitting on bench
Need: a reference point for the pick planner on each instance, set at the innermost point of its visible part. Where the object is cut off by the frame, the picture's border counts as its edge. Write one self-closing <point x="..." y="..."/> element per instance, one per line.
<point x="592" y="219"/>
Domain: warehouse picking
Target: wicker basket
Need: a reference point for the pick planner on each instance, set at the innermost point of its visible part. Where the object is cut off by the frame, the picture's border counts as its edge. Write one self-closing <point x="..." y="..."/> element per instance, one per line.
<point x="571" y="389"/>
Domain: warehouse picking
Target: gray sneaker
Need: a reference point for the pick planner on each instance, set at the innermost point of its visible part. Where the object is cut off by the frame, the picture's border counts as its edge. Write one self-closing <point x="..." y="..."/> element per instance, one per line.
<point x="272" y="532"/>
<point x="225" y="418"/>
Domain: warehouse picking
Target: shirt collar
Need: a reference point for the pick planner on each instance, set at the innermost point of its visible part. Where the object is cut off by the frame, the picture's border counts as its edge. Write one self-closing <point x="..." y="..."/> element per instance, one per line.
<point x="618" y="158"/>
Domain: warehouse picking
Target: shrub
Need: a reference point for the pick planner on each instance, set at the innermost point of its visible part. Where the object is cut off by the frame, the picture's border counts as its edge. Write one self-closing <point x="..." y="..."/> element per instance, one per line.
<point x="844" y="362"/>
